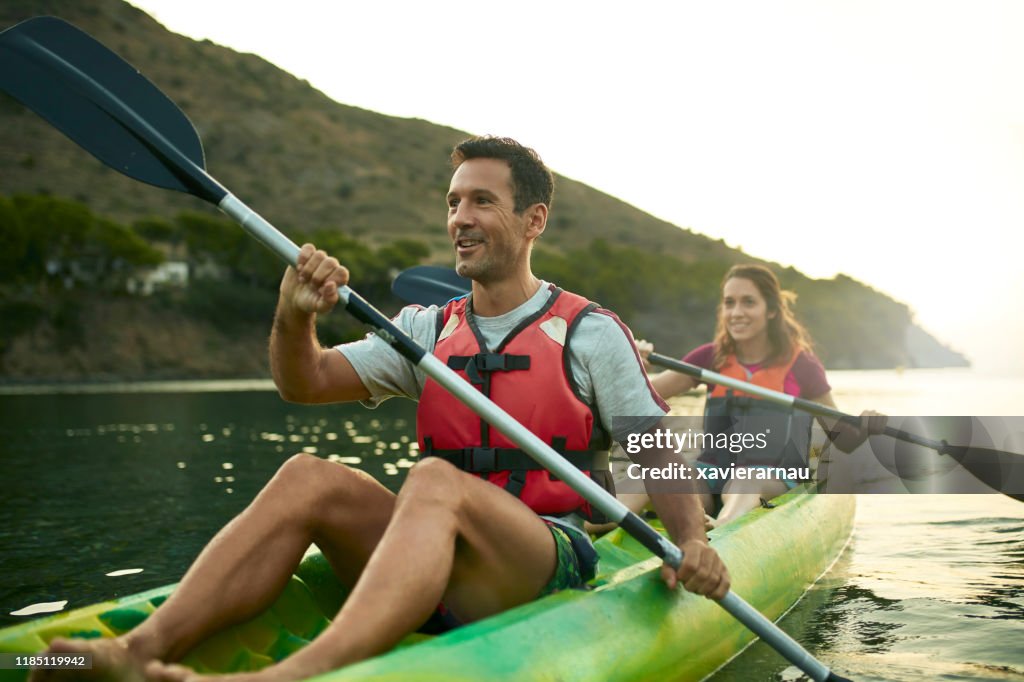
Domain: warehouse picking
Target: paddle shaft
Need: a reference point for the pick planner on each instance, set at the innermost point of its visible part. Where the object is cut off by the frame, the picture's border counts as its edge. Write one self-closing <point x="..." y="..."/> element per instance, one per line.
<point x="198" y="182"/>
<point x="994" y="468"/>
<point x="786" y="400"/>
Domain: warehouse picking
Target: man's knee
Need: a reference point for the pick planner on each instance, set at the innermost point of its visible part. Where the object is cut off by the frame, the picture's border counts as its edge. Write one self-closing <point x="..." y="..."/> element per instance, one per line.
<point x="433" y="481"/>
<point x="326" y="496"/>
<point x="309" y="475"/>
<point x="434" y="468"/>
<point x="302" y="467"/>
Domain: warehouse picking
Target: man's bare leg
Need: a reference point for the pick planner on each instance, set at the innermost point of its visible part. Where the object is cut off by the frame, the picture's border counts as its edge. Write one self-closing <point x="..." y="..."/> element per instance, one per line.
<point x="453" y="537"/>
<point x="247" y="564"/>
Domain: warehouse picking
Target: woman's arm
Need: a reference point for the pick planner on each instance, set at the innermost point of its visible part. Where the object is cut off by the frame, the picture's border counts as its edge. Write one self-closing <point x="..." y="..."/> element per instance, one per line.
<point x="667" y="383"/>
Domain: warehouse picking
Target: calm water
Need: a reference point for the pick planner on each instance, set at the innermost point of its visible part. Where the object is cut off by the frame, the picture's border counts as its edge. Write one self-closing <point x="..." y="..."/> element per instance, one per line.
<point x="94" y="483"/>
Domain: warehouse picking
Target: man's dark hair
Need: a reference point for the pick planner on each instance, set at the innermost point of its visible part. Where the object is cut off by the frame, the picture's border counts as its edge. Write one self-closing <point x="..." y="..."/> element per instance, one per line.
<point x="532" y="182"/>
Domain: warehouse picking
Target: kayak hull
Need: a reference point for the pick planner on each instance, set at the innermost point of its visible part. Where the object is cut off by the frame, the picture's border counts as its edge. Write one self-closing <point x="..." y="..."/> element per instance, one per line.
<point x="629" y="627"/>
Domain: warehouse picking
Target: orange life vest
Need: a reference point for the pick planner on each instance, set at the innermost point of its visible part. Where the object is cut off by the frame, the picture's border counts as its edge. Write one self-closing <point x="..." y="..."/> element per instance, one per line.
<point x="772" y="378"/>
<point x="529" y="376"/>
<point x="787" y="435"/>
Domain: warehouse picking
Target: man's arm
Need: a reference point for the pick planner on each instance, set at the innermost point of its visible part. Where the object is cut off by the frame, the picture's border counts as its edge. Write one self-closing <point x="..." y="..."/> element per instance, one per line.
<point x="620" y="388"/>
<point x="682" y="512"/>
<point x="303" y="370"/>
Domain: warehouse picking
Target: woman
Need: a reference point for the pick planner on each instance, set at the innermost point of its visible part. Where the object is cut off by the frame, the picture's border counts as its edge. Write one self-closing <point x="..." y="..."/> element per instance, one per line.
<point x="758" y="340"/>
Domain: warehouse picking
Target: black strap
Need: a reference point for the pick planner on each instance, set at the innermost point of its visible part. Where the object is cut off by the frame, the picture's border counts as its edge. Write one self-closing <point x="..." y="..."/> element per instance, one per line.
<point x="516" y="482"/>
<point x="487" y="460"/>
<point x="558" y="444"/>
<point x="745" y="402"/>
<point x="487" y="362"/>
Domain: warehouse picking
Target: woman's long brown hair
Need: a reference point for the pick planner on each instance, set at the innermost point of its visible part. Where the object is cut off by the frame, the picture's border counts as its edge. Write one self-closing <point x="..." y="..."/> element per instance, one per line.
<point x="785" y="334"/>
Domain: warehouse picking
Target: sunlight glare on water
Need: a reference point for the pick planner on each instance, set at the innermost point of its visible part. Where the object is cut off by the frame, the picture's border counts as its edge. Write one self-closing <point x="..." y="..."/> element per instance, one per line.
<point x="931" y="587"/>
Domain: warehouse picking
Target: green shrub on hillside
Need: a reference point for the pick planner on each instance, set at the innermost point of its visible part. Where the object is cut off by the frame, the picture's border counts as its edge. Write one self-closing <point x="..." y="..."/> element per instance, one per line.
<point x="54" y="238"/>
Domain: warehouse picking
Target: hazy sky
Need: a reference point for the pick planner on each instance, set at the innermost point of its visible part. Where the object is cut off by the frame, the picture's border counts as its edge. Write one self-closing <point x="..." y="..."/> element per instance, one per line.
<point x="884" y="140"/>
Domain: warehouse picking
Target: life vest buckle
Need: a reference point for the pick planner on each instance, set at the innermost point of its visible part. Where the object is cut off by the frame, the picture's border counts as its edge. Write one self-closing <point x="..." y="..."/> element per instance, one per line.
<point x="482" y="460"/>
<point x="473" y="365"/>
<point x="504" y="362"/>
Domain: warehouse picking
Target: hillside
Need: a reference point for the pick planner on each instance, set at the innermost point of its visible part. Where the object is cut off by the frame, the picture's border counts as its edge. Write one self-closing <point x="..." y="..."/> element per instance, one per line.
<point x="296" y="156"/>
<point x="309" y="163"/>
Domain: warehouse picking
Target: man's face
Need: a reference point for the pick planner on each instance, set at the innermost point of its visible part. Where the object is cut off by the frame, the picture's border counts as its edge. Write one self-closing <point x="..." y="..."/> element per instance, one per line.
<point x="490" y="238"/>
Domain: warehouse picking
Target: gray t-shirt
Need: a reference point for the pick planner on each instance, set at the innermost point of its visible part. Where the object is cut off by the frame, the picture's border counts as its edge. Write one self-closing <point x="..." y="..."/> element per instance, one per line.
<point x="602" y="357"/>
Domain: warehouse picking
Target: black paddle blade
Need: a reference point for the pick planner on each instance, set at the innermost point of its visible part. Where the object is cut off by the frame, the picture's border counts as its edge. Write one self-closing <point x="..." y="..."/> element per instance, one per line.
<point x="429" y="285"/>
<point x="998" y="469"/>
<point x="104" y="104"/>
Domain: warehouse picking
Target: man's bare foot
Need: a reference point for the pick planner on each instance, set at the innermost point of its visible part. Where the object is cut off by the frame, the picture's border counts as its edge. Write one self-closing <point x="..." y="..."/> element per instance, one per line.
<point x="112" y="661"/>
<point x="164" y="672"/>
<point x="169" y="672"/>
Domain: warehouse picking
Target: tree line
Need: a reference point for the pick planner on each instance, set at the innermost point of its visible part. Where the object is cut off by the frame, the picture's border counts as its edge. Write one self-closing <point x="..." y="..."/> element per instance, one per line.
<point x="674" y="305"/>
<point x="57" y="249"/>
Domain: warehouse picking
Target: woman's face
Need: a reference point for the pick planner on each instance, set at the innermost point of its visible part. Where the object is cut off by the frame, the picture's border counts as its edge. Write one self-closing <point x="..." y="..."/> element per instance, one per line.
<point x="744" y="310"/>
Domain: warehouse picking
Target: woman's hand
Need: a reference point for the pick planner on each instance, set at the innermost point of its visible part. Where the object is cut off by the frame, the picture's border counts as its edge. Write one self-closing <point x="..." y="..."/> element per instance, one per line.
<point x="645" y="348"/>
<point x="848" y="437"/>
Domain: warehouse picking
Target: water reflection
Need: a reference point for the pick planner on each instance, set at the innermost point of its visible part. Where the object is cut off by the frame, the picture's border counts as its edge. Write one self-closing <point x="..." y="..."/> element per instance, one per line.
<point x="931" y="587"/>
<point x="41" y="609"/>
<point x="101" y="483"/>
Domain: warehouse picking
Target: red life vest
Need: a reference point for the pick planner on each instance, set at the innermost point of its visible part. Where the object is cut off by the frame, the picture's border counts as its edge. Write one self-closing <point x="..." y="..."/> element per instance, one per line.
<point x="529" y="376"/>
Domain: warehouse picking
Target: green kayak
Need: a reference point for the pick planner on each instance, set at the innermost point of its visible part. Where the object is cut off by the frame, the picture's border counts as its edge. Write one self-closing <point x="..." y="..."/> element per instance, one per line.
<point x="628" y="627"/>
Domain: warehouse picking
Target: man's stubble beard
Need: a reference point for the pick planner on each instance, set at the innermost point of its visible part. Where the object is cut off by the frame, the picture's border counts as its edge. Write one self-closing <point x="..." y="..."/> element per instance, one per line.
<point x="492" y="267"/>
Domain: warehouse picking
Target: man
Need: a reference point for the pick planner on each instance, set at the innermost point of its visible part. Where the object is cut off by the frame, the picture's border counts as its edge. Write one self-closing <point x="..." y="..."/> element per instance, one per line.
<point x="471" y="542"/>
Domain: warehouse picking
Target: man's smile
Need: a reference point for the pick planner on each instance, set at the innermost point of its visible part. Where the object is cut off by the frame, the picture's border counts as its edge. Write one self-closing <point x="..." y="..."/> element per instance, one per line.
<point x="468" y="244"/>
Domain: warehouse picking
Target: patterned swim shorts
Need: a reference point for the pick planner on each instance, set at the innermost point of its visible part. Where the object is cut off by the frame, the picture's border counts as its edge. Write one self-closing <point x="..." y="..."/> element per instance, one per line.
<point x="567" y="567"/>
<point x="572" y="571"/>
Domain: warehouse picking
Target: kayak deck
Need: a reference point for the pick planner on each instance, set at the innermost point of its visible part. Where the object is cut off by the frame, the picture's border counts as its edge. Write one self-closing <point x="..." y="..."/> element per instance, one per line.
<point x="628" y="627"/>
